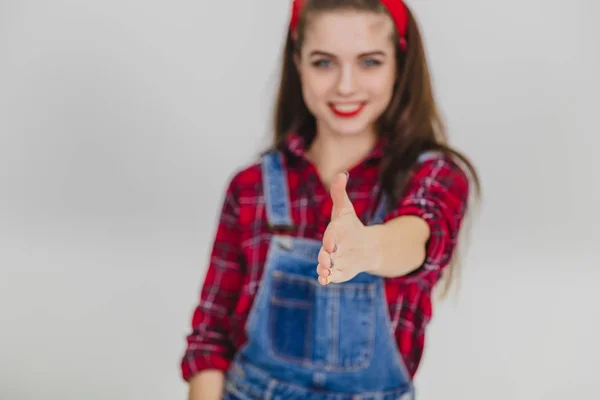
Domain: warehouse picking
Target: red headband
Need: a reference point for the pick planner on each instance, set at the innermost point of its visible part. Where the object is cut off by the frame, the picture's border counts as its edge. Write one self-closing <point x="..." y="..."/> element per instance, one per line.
<point x="396" y="8"/>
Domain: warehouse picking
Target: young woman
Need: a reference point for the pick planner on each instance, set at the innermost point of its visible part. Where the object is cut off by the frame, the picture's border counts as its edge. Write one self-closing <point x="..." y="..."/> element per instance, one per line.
<point x="328" y="248"/>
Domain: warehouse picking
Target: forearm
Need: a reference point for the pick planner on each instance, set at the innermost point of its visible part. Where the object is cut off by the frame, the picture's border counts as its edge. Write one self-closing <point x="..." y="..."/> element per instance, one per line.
<point x="207" y="385"/>
<point x="400" y="246"/>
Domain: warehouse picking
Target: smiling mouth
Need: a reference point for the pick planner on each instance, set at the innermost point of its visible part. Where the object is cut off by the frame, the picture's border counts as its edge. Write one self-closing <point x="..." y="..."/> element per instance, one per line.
<point x="347" y="110"/>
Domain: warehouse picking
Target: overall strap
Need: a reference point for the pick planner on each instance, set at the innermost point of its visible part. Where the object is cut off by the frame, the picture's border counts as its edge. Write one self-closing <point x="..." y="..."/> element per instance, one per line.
<point x="276" y="192"/>
<point x="380" y="212"/>
<point x="382" y="209"/>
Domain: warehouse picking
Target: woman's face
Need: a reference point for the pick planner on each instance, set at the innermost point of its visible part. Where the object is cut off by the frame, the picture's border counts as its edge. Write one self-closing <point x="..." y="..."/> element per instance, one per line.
<point x="347" y="67"/>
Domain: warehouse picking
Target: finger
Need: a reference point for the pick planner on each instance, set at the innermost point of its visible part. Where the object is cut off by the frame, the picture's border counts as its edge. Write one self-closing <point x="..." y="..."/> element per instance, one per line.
<point x="328" y="276"/>
<point x="324" y="258"/>
<point x="323" y="271"/>
<point x="341" y="202"/>
<point x="335" y="276"/>
<point x="330" y="239"/>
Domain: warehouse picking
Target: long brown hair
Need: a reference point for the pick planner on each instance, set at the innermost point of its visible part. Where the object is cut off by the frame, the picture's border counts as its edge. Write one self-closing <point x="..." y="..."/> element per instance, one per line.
<point x="411" y="124"/>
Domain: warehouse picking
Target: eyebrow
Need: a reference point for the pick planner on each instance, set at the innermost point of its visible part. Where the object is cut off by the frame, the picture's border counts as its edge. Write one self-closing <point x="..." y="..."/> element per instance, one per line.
<point x="325" y="54"/>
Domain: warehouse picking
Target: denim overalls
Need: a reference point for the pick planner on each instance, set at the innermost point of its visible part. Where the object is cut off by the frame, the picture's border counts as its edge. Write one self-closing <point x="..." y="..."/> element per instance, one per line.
<point x="313" y="342"/>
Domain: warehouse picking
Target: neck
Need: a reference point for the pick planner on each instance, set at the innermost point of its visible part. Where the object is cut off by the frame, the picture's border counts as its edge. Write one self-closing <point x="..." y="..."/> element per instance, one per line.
<point x="334" y="154"/>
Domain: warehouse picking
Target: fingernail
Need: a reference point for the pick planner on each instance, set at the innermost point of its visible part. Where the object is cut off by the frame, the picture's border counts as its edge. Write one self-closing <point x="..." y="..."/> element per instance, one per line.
<point x="347" y="174"/>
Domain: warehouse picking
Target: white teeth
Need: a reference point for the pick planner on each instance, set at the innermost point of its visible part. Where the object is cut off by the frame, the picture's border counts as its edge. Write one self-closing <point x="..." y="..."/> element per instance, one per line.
<point x="347" y="107"/>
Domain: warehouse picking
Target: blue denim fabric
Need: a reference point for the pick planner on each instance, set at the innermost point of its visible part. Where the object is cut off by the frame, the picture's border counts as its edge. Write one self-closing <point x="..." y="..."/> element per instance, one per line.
<point x="313" y="342"/>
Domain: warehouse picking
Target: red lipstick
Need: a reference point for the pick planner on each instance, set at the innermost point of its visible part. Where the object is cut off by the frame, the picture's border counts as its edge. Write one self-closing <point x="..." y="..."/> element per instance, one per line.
<point x="346" y="114"/>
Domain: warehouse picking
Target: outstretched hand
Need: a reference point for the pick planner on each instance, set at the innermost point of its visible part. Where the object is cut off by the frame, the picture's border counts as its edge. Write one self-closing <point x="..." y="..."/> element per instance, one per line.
<point x="349" y="248"/>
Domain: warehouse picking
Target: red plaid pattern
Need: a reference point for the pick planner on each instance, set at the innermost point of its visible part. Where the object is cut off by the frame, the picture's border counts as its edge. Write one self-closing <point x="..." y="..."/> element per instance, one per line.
<point x="438" y="192"/>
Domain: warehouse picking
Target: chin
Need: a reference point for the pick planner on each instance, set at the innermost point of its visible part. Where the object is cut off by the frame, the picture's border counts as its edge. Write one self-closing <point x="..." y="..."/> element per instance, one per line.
<point x="350" y="128"/>
<point x="351" y="131"/>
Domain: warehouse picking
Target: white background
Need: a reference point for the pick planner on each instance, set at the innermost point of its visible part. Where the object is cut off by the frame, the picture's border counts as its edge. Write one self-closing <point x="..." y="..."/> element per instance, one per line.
<point x="110" y="188"/>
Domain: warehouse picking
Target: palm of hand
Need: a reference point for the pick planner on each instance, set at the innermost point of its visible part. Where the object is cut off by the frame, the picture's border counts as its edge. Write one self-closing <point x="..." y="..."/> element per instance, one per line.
<point x="348" y="248"/>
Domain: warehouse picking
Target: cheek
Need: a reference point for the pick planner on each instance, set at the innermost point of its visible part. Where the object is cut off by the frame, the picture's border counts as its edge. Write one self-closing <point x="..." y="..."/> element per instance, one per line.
<point x="382" y="85"/>
<point x="316" y="89"/>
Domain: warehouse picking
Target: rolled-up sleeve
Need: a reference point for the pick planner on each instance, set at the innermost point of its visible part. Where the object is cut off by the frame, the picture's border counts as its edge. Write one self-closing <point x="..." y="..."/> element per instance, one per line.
<point x="438" y="192"/>
<point x="208" y="344"/>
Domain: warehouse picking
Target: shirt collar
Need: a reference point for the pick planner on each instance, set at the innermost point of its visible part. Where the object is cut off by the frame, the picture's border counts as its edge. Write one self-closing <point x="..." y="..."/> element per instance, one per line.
<point x="296" y="145"/>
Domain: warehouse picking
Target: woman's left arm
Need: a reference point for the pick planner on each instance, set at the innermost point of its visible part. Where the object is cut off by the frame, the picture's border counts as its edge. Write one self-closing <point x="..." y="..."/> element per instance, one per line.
<point x="417" y="237"/>
<point x="422" y="231"/>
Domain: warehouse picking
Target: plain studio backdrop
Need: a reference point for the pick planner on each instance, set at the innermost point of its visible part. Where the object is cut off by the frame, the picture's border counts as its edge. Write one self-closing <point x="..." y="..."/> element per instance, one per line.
<point x="121" y="122"/>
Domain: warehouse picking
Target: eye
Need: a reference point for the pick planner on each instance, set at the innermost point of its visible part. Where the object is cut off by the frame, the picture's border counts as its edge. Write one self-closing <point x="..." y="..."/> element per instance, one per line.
<point x="371" y="62"/>
<point x="322" y="63"/>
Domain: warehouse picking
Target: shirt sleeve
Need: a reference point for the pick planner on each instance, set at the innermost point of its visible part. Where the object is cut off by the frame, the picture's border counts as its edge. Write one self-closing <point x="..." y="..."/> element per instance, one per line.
<point x="208" y="344"/>
<point x="438" y="193"/>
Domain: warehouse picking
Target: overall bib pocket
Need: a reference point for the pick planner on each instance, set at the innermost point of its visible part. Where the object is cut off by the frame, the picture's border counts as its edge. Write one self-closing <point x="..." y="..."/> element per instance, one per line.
<point x="329" y="328"/>
<point x="291" y="317"/>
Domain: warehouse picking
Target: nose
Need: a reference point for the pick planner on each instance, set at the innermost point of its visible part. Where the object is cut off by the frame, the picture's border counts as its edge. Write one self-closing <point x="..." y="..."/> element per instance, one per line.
<point x="346" y="81"/>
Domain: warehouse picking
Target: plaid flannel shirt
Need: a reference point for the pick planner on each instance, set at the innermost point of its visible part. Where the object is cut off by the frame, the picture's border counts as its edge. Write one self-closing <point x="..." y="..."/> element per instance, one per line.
<point x="437" y="192"/>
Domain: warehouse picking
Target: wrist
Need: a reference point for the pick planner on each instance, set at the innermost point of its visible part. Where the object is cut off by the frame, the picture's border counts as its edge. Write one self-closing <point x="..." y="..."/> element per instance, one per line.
<point x="375" y="248"/>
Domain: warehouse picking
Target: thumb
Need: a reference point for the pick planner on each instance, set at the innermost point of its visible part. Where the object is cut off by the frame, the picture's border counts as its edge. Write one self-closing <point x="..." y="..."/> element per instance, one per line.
<point x="341" y="202"/>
